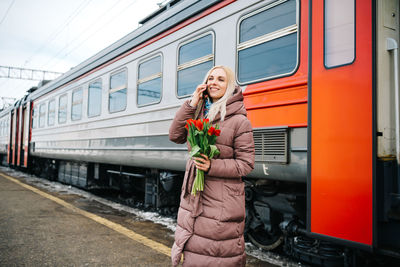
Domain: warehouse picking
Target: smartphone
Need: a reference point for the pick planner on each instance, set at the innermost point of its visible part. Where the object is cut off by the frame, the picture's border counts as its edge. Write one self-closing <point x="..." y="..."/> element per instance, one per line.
<point x="205" y="93"/>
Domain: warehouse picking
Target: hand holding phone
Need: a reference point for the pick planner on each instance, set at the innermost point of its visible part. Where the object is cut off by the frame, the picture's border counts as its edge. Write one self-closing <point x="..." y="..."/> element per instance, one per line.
<point x="199" y="93"/>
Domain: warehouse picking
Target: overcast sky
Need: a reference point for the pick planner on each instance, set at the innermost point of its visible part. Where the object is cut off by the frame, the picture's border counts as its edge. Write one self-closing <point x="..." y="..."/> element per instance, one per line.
<point x="56" y="35"/>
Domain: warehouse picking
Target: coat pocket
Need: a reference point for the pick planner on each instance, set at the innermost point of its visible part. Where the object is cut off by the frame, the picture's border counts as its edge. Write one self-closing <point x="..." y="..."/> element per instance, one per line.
<point x="233" y="207"/>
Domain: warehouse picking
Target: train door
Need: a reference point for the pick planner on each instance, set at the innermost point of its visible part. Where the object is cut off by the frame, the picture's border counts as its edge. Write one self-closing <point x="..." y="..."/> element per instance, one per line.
<point x="25" y="135"/>
<point x="10" y="134"/>
<point x="341" y="129"/>
<point x="20" y="134"/>
<point x="14" y="134"/>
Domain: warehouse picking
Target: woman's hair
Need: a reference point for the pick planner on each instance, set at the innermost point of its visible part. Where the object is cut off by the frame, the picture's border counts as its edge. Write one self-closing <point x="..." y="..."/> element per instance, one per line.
<point x="220" y="105"/>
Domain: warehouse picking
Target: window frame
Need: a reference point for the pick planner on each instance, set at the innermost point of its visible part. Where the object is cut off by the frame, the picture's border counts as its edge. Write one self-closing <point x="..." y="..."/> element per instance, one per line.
<point x="101" y="97"/>
<point x="113" y="90"/>
<point x="66" y="109"/>
<point x="259" y="40"/>
<point x="43" y="104"/>
<point x="48" y="112"/>
<point x="35" y="117"/>
<point x="354" y="44"/>
<point x="185" y="42"/>
<point x="160" y="54"/>
<point x="72" y="103"/>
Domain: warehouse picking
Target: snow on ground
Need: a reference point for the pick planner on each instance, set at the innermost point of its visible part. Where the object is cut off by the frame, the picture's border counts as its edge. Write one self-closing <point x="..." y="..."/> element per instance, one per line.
<point x="57" y="187"/>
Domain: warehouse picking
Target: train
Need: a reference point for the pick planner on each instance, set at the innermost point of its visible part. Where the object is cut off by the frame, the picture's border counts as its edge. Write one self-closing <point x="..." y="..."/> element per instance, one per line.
<point x="321" y="88"/>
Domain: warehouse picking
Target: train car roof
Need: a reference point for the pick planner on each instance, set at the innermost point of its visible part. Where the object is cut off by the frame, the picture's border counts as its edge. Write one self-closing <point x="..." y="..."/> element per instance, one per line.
<point x="166" y="17"/>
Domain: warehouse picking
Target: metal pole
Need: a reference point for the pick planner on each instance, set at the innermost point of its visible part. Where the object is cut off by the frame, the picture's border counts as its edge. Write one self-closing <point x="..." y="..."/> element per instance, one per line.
<point x="391" y="45"/>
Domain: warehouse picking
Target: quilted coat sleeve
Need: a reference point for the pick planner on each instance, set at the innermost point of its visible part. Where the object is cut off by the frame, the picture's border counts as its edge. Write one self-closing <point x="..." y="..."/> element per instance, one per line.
<point x="242" y="162"/>
<point x="177" y="131"/>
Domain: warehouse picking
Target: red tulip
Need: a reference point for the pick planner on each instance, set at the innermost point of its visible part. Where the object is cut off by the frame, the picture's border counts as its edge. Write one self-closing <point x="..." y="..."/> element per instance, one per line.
<point x="217" y="132"/>
<point x="211" y="131"/>
<point x="199" y="125"/>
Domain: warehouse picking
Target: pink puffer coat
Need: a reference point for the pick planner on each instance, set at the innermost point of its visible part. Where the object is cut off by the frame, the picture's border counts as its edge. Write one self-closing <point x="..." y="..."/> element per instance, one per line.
<point x="210" y="225"/>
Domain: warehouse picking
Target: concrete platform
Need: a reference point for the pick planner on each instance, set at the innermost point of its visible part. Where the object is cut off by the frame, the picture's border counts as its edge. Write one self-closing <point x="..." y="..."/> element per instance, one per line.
<point x="40" y="228"/>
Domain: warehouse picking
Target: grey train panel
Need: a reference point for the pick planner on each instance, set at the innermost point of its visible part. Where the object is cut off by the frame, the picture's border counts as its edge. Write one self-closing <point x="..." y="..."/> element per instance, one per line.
<point x="161" y="23"/>
<point x="158" y="159"/>
<point x="159" y="152"/>
<point x="175" y="160"/>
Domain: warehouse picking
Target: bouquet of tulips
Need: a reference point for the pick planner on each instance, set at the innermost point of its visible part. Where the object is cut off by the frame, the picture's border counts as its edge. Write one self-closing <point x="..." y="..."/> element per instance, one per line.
<point x="201" y="137"/>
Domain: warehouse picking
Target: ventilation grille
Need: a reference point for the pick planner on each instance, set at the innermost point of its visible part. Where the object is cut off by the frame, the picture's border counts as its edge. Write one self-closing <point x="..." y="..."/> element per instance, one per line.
<point x="271" y="145"/>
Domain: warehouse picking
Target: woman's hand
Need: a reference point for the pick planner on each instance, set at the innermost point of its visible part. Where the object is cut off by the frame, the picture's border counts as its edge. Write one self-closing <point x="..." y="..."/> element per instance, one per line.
<point x="202" y="163"/>
<point x="198" y="94"/>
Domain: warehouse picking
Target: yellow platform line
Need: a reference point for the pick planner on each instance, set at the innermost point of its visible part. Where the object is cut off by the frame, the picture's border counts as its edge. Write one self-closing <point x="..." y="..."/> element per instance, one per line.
<point x="114" y="226"/>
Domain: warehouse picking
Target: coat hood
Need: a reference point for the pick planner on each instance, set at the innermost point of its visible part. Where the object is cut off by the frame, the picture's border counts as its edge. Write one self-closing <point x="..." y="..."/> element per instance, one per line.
<point x="234" y="105"/>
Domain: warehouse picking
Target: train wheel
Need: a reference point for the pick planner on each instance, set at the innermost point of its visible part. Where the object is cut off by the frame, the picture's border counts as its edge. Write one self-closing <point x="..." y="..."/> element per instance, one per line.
<point x="265" y="239"/>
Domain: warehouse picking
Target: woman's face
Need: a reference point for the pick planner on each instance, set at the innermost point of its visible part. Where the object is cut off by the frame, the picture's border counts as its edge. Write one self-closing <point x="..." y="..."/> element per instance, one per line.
<point x="217" y="83"/>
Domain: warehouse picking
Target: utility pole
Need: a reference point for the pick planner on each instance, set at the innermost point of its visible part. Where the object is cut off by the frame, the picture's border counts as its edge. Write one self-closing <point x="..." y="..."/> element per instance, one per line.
<point x="27" y="74"/>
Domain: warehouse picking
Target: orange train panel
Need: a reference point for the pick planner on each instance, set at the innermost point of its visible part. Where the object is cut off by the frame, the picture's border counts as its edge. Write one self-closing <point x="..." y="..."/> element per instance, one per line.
<point x="341" y="135"/>
<point x="278" y="107"/>
<point x="291" y="115"/>
<point x="26" y="157"/>
<point x="274" y="98"/>
<point x="283" y="105"/>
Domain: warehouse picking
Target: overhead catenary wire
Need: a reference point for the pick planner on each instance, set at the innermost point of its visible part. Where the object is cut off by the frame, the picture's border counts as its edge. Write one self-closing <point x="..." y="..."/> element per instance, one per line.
<point x="115" y="11"/>
<point x="60" y="29"/>
<point x="8" y="10"/>
<point x="89" y="36"/>
<point x="55" y="57"/>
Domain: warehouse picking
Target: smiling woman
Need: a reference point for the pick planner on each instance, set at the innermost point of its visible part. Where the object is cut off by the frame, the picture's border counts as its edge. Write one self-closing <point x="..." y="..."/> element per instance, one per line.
<point x="219" y="210"/>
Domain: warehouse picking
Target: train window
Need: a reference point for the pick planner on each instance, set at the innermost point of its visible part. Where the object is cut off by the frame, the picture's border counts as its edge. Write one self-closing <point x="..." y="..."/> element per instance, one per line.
<point x="94" y="98"/>
<point x="195" y="58"/>
<point x="149" y="81"/>
<point x="268" y="43"/>
<point x="51" y="114"/>
<point x="76" y="105"/>
<point x="42" y="115"/>
<point x="62" y="109"/>
<point x="118" y="91"/>
<point x="34" y="117"/>
<point x="339" y="33"/>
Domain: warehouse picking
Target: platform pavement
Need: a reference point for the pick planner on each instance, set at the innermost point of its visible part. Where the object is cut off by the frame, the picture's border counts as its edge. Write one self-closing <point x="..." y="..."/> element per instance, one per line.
<point x="36" y="231"/>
